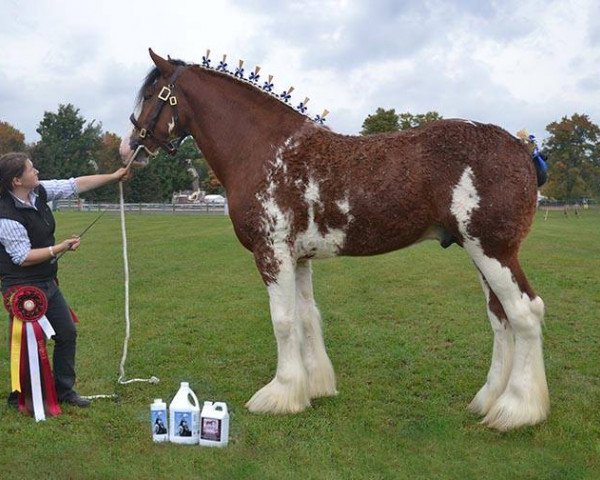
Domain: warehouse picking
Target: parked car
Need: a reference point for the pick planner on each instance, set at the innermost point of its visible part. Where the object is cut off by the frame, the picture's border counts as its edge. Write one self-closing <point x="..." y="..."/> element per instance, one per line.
<point x="214" y="199"/>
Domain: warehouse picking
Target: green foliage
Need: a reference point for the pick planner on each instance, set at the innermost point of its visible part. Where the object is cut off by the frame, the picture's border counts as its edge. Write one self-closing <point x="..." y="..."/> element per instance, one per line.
<point x="410" y="350"/>
<point x="11" y="139"/>
<point x="165" y="174"/>
<point x="68" y="144"/>
<point x="408" y="120"/>
<point x="106" y="159"/>
<point x="381" y="121"/>
<point x="389" y="121"/>
<point x="573" y="151"/>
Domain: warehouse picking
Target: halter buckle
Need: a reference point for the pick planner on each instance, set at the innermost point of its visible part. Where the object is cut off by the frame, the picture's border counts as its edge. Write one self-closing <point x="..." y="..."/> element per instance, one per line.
<point x="165" y="93"/>
<point x="143" y="132"/>
<point x="173" y="100"/>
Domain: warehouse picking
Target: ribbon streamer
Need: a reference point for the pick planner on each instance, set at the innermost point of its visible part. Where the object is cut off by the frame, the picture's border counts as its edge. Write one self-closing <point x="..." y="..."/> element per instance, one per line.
<point x="31" y="374"/>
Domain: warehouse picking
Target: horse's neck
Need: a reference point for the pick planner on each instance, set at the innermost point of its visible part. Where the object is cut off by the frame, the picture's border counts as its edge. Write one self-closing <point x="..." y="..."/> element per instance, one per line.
<point x="236" y="128"/>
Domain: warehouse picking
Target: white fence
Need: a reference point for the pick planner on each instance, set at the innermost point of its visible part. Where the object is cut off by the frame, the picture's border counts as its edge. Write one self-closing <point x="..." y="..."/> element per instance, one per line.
<point x="194" y="208"/>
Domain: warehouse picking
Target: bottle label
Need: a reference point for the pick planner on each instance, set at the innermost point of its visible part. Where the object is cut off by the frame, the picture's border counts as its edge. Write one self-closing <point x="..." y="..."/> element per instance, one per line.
<point x="159" y="422"/>
<point x="183" y="424"/>
<point x="210" y="429"/>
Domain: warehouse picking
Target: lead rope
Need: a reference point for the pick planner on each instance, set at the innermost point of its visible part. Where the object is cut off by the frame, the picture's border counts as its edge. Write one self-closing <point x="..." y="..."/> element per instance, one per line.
<point x="121" y="380"/>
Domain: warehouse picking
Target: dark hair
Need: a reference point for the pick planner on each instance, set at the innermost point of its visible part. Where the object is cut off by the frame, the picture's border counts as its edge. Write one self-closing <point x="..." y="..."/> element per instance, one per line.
<point x="12" y="165"/>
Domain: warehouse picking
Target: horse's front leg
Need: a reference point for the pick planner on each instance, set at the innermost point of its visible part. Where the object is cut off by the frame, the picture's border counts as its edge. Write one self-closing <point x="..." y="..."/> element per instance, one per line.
<point x="288" y="391"/>
<point x="321" y="378"/>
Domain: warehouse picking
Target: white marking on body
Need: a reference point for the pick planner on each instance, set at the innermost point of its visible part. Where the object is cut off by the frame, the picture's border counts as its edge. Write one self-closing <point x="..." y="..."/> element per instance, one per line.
<point x="171" y="125"/>
<point x="525" y="400"/>
<point x="312" y="242"/>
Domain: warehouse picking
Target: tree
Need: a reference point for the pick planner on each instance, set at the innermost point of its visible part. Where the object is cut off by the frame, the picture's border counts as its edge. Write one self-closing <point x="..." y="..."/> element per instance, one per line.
<point x="408" y="120"/>
<point x="68" y="144"/>
<point x="106" y="159"/>
<point x="11" y="139"/>
<point x="573" y="152"/>
<point x="389" y="121"/>
<point x="381" y="121"/>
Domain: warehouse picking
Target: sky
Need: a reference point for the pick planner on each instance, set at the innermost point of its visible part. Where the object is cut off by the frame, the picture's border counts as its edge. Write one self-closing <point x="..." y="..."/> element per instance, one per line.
<point x="514" y="63"/>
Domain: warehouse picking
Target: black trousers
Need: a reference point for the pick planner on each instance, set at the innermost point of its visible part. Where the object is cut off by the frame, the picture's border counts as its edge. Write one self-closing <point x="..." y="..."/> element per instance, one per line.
<point x="65" y="340"/>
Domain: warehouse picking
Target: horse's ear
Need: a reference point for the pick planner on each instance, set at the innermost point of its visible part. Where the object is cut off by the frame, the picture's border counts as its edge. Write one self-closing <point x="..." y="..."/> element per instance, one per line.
<point x="166" y="68"/>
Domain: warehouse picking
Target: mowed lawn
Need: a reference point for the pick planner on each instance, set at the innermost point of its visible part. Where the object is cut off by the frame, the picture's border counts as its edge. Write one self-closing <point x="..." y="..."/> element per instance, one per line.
<point x="407" y="333"/>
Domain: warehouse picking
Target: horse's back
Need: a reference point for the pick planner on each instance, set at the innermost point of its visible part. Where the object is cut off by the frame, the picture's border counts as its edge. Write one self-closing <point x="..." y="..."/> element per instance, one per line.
<point x="397" y="187"/>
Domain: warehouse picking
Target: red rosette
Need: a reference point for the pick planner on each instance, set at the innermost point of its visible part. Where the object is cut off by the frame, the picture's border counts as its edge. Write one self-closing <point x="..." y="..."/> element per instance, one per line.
<point x="8" y="297"/>
<point x="29" y="303"/>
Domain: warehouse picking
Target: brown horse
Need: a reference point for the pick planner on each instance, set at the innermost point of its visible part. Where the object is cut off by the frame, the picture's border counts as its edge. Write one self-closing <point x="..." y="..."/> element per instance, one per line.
<point x="299" y="191"/>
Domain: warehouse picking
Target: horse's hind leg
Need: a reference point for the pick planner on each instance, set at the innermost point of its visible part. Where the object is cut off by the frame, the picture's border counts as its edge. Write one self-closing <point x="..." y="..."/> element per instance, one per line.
<point x="321" y="378"/>
<point x="525" y="400"/>
<point x="502" y="354"/>
<point x="288" y="391"/>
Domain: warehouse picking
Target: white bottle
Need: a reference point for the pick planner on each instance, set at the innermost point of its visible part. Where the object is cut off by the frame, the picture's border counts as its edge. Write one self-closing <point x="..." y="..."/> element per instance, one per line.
<point x="214" y="424"/>
<point x="158" y="420"/>
<point x="184" y="415"/>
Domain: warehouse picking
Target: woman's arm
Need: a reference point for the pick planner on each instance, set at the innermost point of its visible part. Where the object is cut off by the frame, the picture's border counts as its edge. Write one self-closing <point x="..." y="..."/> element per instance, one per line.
<point x="90" y="182"/>
<point x="40" y="255"/>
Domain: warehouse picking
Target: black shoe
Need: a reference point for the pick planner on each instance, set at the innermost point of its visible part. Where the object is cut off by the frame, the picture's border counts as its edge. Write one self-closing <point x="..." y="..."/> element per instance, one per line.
<point x="73" y="398"/>
<point x="13" y="400"/>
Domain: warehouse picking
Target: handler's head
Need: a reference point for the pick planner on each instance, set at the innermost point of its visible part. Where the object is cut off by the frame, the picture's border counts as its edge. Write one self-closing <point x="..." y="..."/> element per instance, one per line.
<point x="12" y="167"/>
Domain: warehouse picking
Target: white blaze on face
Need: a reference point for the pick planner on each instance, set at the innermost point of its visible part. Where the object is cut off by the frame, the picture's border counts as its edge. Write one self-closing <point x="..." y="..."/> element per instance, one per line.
<point x="171" y="125"/>
<point x="125" y="148"/>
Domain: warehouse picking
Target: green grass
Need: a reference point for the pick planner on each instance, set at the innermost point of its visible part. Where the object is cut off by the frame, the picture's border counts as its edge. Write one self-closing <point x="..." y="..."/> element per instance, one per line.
<point x="407" y="333"/>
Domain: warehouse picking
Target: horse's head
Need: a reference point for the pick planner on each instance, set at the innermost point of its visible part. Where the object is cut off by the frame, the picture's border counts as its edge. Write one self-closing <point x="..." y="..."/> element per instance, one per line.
<point x="160" y="117"/>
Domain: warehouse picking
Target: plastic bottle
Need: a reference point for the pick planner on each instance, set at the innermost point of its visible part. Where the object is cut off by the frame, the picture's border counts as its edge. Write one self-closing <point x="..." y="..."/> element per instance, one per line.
<point x="158" y="420"/>
<point x="184" y="415"/>
<point x="214" y="424"/>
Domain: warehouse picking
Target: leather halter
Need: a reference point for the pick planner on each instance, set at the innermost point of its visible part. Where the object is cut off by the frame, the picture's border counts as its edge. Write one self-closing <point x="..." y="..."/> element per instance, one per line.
<point x="166" y="94"/>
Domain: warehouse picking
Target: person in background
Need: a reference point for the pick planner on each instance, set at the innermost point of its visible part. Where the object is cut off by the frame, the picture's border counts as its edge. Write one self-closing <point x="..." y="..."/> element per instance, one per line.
<point x="28" y="248"/>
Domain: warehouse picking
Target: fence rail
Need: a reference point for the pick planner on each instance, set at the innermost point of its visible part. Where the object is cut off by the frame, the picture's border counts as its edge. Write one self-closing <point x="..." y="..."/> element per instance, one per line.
<point x="173" y="208"/>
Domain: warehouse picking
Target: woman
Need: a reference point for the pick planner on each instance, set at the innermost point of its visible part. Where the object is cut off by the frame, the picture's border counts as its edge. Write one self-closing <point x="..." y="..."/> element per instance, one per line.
<point x="27" y="248"/>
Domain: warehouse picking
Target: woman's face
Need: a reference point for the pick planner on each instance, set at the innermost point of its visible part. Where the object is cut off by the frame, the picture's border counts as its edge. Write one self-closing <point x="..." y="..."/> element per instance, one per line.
<point x="29" y="178"/>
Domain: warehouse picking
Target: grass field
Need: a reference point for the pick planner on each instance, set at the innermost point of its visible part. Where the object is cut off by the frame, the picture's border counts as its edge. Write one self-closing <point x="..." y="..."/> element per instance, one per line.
<point x="407" y="333"/>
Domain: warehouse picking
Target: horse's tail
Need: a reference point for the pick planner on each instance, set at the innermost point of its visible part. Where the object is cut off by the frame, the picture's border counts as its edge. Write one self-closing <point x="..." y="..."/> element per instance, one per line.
<point x="539" y="160"/>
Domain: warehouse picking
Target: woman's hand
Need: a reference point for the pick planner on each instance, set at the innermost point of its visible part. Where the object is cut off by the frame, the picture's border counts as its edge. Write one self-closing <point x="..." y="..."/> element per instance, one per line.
<point x="122" y="174"/>
<point x="69" y="244"/>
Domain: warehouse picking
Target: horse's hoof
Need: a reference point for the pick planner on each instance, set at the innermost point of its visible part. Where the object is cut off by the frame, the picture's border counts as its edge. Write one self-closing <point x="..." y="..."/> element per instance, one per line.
<point x="510" y="412"/>
<point x="278" y="398"/>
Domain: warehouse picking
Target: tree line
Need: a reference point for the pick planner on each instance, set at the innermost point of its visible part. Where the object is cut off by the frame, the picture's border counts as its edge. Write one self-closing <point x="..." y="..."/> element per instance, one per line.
<point x="572" y="150"/>
<point x="70" y="145"/>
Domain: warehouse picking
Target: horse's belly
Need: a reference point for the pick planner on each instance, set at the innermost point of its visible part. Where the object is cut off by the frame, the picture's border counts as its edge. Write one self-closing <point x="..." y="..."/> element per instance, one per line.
<point x="384" y="235"/>
<point x="314" y="244"/>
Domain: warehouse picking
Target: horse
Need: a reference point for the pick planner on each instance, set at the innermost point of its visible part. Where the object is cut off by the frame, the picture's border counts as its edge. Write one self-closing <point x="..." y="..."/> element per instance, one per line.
<point x="298" y="191"/>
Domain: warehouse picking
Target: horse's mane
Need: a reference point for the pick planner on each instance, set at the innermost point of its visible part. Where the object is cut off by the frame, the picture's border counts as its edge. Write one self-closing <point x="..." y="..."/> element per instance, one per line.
<point x="154" y="74"/>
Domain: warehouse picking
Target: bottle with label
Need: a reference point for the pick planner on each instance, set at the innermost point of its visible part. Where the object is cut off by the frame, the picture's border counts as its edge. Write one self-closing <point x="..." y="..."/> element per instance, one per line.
<point x="158" y="420"/>
<point x="214" y="424"/>
<point x="184" y="415"/>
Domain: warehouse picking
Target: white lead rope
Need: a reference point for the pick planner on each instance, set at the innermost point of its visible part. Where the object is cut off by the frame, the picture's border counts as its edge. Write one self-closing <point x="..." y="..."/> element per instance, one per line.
<point x="121" y="380"/>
